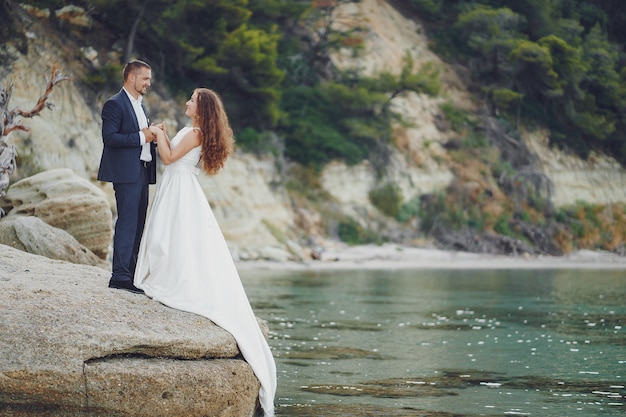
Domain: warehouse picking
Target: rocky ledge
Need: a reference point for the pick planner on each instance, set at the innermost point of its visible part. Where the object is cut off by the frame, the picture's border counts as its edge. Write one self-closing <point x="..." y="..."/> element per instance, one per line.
<point x="70" y="346"/>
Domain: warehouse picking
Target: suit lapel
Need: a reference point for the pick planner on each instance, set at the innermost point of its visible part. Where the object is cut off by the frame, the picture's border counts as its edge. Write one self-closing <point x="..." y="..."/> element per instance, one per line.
<point x="146" y="113"/>
<point x="129" y="109"/>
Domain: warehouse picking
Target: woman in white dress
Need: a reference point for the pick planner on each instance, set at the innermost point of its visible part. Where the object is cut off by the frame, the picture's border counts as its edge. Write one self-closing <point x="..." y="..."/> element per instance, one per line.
<point x="184" y="261"/>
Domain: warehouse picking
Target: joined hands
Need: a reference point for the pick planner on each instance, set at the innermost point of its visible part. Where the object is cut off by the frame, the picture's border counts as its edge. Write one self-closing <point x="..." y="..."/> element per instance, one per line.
<point x="157" y="131"/>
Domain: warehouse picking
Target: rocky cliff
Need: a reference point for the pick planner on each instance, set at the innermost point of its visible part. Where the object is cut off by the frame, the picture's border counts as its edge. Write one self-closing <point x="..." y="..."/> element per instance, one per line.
<point x="258" y="217"/>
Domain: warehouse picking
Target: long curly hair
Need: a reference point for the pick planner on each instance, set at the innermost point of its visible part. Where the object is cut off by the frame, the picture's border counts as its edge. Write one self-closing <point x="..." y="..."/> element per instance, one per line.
<point x="217" y="140"/>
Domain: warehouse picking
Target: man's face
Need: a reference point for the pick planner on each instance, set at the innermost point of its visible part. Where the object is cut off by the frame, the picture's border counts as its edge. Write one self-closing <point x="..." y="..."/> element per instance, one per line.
<point x="141" y="80"/>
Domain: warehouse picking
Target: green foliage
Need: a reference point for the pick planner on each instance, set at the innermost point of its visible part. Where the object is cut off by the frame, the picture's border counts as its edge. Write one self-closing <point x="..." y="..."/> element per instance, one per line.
<point x="386" y="198"/>
<point x="304" y="181"/>
<point x="409" y="210"/>
<point x="505" y="98"/>
<point x="429" y="8"/>
<point x="251" y="55"/>
<point x="213" y="44"/>
<point x="251" y="140"/>
<point x="503" y="226"/>
<point x="474" y="140"/>
<point x="351" y="232"/>
<point x="424" y="80"/>
<point x="433" y="211"/>
<point x="333" y="121"/>
<point x="532" y="66"/>
<point x="314" y="135"/>
<point x="490" y="32"/>
<point x="592" y="226"/>
<point x="107" y="77"/>
<point x="550" y="63"/>
<point x="459" y="119"/>
<point x="348" y="119"/>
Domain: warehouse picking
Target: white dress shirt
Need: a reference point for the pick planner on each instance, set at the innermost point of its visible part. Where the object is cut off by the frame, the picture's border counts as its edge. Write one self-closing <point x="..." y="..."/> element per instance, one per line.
<point x="143" y="122"/>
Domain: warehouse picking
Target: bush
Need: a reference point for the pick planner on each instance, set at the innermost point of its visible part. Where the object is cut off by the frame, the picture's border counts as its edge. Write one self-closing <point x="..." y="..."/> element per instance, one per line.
<point x="386" y="198"/>
<point x="107" y="77"/>
<point x="409" y="210"/>
<point x="459" y="119"/>
<point x="351" y="232"/>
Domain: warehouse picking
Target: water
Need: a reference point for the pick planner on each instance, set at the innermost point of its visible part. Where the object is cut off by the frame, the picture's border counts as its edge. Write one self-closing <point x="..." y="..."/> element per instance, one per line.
<point x="446" y="342"/>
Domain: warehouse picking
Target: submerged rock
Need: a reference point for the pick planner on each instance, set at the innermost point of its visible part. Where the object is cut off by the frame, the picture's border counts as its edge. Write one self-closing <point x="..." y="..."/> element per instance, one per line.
<point x="71" y="346"/>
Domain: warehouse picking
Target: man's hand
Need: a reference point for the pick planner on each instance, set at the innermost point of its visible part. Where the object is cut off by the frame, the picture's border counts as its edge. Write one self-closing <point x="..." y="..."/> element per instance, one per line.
<point x="150" y="135"/>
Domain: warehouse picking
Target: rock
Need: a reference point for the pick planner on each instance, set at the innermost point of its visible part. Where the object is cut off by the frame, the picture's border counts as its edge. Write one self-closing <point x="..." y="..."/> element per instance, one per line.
<point x="36" y="11"/>
<point x="273" y="253"/>
<point x="310" y="222"/>
<point x="91" y="55"/>
<point x="470" y="241"/>
<point x="75" y="16"/>
<point x="33" y="235"/>
<point x="64" y="200"/>
<point x="71" y="346"/>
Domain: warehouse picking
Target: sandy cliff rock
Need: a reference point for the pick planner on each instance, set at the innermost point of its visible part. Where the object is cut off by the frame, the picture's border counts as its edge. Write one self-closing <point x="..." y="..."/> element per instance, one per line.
<point x="598" y="180"/>
<point x="71" y="346"/>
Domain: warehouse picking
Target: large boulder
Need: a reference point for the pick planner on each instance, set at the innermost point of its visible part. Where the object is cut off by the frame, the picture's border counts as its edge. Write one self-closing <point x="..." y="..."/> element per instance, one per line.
<point x="71" y="346"/>
<point x="31" y="234"/>
<point x="69" y="202"/>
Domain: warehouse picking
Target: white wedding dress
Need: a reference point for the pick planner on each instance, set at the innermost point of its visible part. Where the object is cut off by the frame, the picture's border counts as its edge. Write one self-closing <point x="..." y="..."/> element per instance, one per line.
<point x="184" y="262"/>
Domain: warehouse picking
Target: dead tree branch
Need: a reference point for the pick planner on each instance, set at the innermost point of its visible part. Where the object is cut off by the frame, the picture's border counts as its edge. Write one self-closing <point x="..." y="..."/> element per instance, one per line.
<point x="11" y="121"/>
<point x="10" y="118"/>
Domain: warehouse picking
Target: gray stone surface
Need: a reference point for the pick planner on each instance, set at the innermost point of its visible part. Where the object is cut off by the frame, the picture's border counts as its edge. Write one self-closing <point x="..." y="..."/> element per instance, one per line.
<point x="69" y="346"/>
<point x="33" y="235"/>
<point x="66" y="201"/>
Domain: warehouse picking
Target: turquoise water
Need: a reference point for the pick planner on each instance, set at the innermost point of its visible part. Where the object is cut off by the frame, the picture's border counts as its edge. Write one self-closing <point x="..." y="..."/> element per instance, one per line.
<point x="445" y="342"/>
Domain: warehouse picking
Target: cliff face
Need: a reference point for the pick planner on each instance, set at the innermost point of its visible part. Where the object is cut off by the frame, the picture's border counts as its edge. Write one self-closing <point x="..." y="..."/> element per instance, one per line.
<point x="420" y="161"/>
<point x="257" y="215"/>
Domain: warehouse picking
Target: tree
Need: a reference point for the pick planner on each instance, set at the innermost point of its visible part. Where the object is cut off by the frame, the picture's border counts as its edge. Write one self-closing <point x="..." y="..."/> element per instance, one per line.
<point x="492" y="34"/>
<point x="250" y="56"/>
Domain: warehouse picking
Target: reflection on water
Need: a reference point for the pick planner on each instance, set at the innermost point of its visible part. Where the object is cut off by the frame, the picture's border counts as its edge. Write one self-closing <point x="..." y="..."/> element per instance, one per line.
<point x="445" y="343"/>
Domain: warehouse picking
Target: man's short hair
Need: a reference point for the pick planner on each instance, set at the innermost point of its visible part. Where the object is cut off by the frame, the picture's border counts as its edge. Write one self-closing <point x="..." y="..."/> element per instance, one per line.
<point x="134" y="65"/>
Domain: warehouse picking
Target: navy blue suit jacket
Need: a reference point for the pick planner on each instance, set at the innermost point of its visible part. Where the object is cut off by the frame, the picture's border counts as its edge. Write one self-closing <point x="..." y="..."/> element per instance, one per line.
<point x="122" y="149"/>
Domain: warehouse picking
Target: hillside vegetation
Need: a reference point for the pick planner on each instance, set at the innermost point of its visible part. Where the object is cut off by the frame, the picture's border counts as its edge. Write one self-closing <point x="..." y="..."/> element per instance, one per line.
<point x="529" y="63"/>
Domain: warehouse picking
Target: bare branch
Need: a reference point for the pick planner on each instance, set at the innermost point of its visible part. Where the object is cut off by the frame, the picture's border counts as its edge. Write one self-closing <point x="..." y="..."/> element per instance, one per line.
<point x="11" y="121"/>
<point x="41" y="103"/>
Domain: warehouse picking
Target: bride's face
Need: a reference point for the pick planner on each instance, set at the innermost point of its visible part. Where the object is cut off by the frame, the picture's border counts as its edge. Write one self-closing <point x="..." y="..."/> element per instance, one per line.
<point x="192" y="106"/>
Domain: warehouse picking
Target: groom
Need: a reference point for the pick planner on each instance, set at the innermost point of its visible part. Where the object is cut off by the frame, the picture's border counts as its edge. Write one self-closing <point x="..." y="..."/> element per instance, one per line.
<point x="129" y="162"/>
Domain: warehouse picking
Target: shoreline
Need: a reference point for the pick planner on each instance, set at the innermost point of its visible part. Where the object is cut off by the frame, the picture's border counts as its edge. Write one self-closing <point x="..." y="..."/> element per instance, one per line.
<point x="392" y="256"/>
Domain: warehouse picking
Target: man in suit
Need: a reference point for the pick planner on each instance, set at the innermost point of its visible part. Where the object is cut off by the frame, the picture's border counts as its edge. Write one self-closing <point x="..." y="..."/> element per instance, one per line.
<point x="129" y="162"/>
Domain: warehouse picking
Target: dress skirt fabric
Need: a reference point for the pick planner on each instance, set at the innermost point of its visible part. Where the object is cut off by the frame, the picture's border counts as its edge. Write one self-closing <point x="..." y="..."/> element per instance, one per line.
<point x="184" y="263"/>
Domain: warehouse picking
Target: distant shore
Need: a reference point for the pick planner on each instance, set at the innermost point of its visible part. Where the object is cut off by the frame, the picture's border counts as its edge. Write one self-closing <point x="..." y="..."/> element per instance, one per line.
<point x="391" y="256"/>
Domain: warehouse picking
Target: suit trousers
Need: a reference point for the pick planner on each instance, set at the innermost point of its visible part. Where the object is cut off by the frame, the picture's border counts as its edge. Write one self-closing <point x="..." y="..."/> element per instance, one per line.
<point x="132" y="204"/>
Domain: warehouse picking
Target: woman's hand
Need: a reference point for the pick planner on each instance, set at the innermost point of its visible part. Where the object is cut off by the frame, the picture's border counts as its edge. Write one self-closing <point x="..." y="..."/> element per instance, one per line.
<point x="159" y="125"/>
<point x="158" y="132"/>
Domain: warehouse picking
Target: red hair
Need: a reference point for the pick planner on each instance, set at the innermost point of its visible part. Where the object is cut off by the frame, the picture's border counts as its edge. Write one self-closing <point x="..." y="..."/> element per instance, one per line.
<point x="217" y="139"/>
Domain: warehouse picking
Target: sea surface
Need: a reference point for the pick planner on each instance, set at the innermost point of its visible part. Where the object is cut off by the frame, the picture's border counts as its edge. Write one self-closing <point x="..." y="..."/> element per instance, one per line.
<point x="445" y="342"/>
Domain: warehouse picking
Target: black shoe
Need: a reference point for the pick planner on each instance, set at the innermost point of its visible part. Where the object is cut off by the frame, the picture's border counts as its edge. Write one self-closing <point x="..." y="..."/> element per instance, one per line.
<point x="125" y="285"/>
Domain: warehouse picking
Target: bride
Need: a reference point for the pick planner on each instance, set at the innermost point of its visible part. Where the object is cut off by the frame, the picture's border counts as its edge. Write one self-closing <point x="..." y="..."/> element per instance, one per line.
<point x="184" y="261"/>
